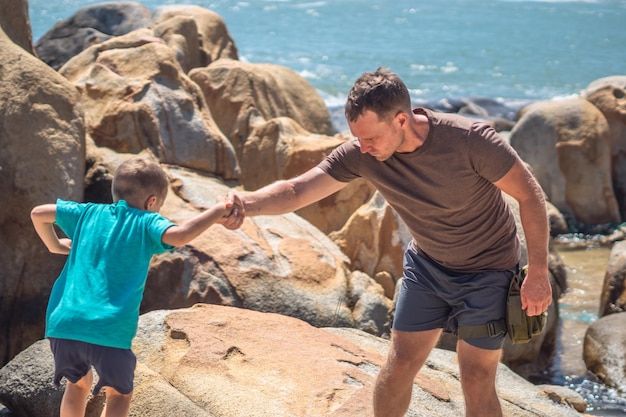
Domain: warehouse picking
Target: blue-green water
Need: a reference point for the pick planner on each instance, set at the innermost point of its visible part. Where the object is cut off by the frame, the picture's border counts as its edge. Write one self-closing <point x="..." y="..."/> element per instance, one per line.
<point x="578" y="308"/>
<point x="513" y="51"/>
<point x="516" y="51"/>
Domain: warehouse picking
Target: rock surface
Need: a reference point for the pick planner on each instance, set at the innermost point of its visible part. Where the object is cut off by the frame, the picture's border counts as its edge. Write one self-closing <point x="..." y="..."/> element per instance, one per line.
<point x="609" y="96"/>
<point x="136" y="96"/>
<point x="210" y="361"/>
<point x="90" y="25"/>
<point x="280" y="264"/>
<point x="42" y="158"/>
<point x="567" y="144"/>
<point x="613" y="296"/>
<point x="604" y="350"/>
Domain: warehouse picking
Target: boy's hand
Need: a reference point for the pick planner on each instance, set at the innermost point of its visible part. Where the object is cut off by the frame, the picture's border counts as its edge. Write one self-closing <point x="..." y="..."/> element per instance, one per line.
<point x="235" y="216"/>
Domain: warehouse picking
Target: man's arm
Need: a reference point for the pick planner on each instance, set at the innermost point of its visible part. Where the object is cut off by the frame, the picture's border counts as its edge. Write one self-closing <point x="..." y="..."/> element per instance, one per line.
<point x="519" y="183"/>
<point x="43" y="218"/>
<point x="285" y="196"/>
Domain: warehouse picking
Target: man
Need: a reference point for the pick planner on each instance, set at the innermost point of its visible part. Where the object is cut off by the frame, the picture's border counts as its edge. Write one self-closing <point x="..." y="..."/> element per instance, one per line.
<point x="443" y="174"/>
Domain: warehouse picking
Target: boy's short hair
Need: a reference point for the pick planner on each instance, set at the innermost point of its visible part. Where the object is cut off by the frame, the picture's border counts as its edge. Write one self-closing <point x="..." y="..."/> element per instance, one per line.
<point x="138" y="178"/>
<point x="382" y="92"/>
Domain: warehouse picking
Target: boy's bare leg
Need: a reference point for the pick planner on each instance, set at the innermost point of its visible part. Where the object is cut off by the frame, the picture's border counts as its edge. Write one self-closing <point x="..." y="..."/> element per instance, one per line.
<point x="116" y="405"/>
<point x="407" y="353"/>
<point x="478" y="379"/>
<point x="75" y="396"/>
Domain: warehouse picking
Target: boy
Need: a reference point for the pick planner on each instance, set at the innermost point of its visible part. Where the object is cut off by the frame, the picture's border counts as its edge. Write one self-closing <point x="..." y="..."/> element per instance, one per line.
<point x="93" y="310"/>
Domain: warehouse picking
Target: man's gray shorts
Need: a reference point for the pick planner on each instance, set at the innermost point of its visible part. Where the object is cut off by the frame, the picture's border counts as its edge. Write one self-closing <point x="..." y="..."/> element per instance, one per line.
<point x="432" y="297"/>
<point x="73" y="359"/>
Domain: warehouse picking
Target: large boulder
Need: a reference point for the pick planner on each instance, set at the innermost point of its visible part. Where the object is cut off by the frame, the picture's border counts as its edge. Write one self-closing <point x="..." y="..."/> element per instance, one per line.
<point x="374" y="238"/>
<point x="604" y="350"/>
<point x="280" y="264"/>
<point x="609" y="96"/>
<point x="242" y="95"/>
<point x="612" y="80"/>
<point x="15" y="23"/>
<point x="567" y="144"/>
<point x="210" y="361"/>
<point x="276" y="132"/>
<point x="42" y="158"/>
<point x="90" y="25"/>
<point x="279" y="149"/>
<point x="34" y="394"/>
<point x="613" y="296"/>
<point x="136" y="97"/>
<point x="198" y="35"/>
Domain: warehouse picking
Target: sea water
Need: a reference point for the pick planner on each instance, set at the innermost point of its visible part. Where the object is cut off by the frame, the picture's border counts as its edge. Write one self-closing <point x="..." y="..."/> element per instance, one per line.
<point x="510" y="51"/>
<point x="578" y="308"/>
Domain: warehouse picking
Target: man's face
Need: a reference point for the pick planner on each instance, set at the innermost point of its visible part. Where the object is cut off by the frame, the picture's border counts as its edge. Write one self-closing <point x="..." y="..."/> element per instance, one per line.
<point x="378" y="137"/>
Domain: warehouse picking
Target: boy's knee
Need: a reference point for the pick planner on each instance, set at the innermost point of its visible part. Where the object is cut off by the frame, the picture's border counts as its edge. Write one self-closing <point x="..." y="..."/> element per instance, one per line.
<point x="83" y="384"/>
<point x="113" y="393"/>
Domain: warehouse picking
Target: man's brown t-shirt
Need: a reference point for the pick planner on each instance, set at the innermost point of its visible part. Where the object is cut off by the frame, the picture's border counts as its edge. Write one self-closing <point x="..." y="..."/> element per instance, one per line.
<point x="443" y="191"/>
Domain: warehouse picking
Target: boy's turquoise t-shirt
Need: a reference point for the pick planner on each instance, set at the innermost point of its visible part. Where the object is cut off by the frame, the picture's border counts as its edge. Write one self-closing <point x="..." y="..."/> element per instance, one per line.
<point x="97" y="296"/>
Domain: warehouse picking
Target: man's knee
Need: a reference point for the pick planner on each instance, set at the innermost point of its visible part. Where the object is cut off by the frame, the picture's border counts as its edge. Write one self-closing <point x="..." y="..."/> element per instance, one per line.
<point x="477" y="377"/>
<point x="410" y="348"/>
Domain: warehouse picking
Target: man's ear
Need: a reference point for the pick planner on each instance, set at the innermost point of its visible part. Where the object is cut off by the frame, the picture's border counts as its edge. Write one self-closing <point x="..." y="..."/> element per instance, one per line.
<point x="150" y="201"/>
<point x="401" y="118"/>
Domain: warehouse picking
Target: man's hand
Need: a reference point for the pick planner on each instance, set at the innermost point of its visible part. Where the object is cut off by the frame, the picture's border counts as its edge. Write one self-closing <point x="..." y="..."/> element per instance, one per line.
<point x="235" y="218"/>
<point x="536" y="292"/>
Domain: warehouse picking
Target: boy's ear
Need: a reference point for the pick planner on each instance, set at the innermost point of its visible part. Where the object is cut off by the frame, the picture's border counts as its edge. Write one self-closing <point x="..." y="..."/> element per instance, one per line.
<point x="151" y="201"/>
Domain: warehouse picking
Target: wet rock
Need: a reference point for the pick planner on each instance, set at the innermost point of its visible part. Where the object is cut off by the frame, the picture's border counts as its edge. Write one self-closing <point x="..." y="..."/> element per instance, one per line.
<point x="604" y="350"/>
<point x="90" y="25"/>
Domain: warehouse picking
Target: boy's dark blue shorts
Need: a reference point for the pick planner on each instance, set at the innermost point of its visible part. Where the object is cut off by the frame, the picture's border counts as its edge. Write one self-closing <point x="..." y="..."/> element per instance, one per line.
<point x="73" y="359"/>
<point x="432" y="297"/>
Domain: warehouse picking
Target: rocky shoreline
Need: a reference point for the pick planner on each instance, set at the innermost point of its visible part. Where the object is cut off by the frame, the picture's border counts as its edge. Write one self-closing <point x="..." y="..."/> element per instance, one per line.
<point x="318" y="281"/>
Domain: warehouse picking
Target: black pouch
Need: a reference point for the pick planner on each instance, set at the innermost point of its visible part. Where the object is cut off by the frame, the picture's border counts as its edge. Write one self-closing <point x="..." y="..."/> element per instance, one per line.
<point x="520" y="326"/>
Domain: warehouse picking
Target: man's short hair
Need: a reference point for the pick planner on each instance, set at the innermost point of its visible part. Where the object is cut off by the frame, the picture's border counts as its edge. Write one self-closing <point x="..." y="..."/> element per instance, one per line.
<point x="382" y="92"/>
<point x="138" y="178"/>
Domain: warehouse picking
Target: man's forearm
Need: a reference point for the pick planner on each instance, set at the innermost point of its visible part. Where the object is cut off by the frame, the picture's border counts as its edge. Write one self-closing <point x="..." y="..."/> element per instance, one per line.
<point x="276" y="198"/>
<point x="536" y="227"/>
<point x="285" y="196"/>
<point x="536" y="290"/>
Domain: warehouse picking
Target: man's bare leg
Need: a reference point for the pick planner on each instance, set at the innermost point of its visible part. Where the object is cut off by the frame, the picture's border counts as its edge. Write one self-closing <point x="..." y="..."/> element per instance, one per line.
<point x="407" y="353"/>
<point x="478" y="380"/>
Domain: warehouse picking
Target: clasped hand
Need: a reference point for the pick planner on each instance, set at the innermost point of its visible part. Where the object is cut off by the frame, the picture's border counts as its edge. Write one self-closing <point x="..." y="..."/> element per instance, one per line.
<point x="237" y="214"/>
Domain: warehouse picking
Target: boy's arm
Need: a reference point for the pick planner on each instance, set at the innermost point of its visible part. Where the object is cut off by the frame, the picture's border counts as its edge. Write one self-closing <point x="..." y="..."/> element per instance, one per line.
<point x="43" y="218"/>
<point x="185" y="232"/>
